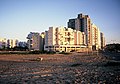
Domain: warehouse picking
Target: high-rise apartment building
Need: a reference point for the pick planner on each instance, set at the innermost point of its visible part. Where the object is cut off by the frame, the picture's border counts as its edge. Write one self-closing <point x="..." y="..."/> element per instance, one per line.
<point x="35" y="41"/>
<point x="82" y="23"/>
<point x="96" y="41"/>
<point x="63" y="39"/>
<point x="71" y="23"/>
<point x="92" y="33"/>
<point x="42" y="41"/>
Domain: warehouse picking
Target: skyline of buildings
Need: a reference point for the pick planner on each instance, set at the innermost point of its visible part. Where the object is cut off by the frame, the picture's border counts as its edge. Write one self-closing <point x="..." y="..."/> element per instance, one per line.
<point x="8" y="43"/>
<point x="81" y="33"/>
<point x="18" y="18"/>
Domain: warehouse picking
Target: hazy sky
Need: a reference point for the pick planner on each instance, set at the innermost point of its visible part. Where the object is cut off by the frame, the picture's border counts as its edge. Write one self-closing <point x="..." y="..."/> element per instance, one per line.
<point x="19" y="17"/>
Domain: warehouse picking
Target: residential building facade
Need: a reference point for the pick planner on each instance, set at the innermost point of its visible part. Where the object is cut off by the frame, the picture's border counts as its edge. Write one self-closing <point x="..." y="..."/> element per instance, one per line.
<point x="11" y="43"/>
<point x="35" y="41"/>
<point x="82" y="23"/>
<point x="8" y="43"/>
<point x="81" y="33"/>
<point x="42" y="41"/>
<point x="3" y="43"/>
<point x="96" y="41"/>
<point x="71" y="23"/>
<point x="63" y="39"/>
<point x="79" y="38"/>
<point x="92" y="33"/>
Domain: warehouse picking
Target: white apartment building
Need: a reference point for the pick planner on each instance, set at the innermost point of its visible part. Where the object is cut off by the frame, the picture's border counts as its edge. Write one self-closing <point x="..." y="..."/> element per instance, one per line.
<point x="63" y="39"/>
<point x="33" y="41"/>
<point x="96" y="40"/>
<point x="36" y="41"/>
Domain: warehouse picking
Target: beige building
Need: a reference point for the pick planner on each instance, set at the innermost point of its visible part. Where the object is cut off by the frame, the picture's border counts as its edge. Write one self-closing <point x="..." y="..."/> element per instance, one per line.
<point x="79" y="38"/>
<point x="63" y="39"/>
<point x="36" y="41"/>
<point x="3" y="43"/>
<point x="82" y="23"/>
<point x="96" y="41"/>
<point x="33" y="41"/>
<point x="11" y="43"/>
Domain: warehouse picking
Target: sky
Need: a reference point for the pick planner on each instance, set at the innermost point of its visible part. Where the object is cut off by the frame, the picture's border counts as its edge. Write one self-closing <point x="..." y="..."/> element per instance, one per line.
<point x="20" y="17"/>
